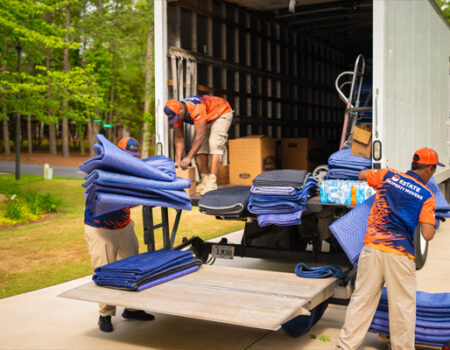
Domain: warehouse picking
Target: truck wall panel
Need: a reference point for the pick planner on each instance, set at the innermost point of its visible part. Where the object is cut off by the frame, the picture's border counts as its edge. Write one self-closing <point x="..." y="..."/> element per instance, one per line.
<point x="416" y="81"/>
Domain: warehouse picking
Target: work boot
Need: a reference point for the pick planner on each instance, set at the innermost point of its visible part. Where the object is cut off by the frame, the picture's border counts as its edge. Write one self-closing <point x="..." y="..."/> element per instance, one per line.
<point x="210" y="185"/>
<point x="137" y="315"/>
<point x="104" y="323"/>
<point x="203" y="181"/>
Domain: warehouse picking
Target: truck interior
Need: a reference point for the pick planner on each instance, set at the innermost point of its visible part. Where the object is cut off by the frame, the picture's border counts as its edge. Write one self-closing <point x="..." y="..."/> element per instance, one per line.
<point x="276" y="62"/>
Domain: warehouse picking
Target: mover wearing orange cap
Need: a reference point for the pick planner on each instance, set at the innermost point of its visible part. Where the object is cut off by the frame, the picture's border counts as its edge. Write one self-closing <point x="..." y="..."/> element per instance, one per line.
<point x="111" y="237"/>
<point x="387" y="259"/>
<point x="211" y="117"/>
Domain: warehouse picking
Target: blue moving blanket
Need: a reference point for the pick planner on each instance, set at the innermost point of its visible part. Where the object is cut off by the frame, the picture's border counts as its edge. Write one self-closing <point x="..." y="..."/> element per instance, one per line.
<point x="132" y="272"/>
<point x="350" y="229"/>
<point x="288" y="219"/>
<point x="344" y="159"/>
<point x="167" y="278"/>
<point x="108" y="178"/>
<point x="112" y="158"/>
<point x="419" y="338"/>
<point x="287" y="177"/>
<point x="99" y="203"/>
<point x="225" y="201"/>
<point x="342" y="174"/>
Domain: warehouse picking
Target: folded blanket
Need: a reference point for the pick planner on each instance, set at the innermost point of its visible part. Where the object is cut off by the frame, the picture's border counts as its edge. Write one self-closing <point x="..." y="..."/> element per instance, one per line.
<point x="424" y="322"/>
<point x="287" y="219"/>
<point x="290" y="178"/>
<point x="178" y="196"/>
<point x="342" y="174"/>
<point x="419" y="338"/>
<point x="438" y="301"/>
<point x="126" y="284"/>
<point x="145" y="270"/>
<point x="99" y="203"/>
<point x="225" y="201"/>
<point x="167" y="278"/>
<point x="143" y="263"/>
<point x="112" y="158"/>
<point x="103" y="177"/>
<point x="344" y="159"/>
<point x="273" y="190"/>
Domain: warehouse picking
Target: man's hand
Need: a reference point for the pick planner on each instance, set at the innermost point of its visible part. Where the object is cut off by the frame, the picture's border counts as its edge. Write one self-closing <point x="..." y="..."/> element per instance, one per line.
<point x="177" y="163"/>
<point x="185" y="162"/>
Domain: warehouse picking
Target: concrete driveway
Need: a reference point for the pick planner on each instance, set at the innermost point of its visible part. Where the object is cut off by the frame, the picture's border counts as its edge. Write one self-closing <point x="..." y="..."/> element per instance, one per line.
<point x="41" y="320"/>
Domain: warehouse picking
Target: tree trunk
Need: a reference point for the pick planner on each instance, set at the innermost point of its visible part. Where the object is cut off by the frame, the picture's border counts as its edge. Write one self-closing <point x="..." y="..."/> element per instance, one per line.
<point x="51" y="126"/>
<point x="99" y="7"/>
<point x="65" y="122"/>
<point x="147" y="91"/>
<point x="30" y="139"/>
<point x="6" y="146"/>
<point x="52" y="138"/>
<point x="91" y="137"/>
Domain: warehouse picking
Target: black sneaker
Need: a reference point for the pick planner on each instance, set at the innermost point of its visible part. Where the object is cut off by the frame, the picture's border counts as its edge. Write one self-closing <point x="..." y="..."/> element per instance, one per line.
<point x="104" y="323"/>
<point x="137" y="315"/>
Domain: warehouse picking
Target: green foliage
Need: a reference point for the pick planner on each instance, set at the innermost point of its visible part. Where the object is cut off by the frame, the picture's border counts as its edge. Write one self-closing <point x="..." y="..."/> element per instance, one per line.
<point x="24" y="206"/>
<point x="445" y="7"/>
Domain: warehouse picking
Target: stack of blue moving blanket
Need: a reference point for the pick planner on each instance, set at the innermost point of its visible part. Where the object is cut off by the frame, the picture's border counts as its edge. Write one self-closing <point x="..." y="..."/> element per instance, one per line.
<point x="342" y="165"/>
<point x="119" y="180"/>
<point x="146" y="270"/>
<point x="278" y="197"/>
<point x="432" y="318"/>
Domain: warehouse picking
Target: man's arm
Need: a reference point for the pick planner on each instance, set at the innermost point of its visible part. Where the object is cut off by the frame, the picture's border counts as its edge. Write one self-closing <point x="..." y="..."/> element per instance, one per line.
<point x="363" y="175"/>
<point x="200" y="132"/>
<point x="428" y="231"/>
<point x="179" y="144"/>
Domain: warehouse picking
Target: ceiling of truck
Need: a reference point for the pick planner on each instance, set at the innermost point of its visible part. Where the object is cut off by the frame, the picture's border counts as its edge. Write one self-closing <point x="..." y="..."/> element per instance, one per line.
<point x="345" y="24"/>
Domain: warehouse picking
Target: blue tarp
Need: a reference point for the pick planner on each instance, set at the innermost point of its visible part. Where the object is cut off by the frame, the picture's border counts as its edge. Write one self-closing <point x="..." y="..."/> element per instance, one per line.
<point x="112" y="158"/>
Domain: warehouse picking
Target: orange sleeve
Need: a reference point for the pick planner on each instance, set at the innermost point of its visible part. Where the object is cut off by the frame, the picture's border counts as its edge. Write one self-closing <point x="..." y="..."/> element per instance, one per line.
<point x="427" y="214"/>
<point x="374" y="177"/>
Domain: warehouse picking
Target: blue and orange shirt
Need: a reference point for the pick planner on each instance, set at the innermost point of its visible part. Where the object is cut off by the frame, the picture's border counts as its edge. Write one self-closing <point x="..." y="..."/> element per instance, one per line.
<point x="402" y="200"/>
<point x="203" y="108"/>
<point x="114" y="220"/>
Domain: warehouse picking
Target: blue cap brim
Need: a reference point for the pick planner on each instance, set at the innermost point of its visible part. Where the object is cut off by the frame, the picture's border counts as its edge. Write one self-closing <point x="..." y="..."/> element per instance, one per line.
<point x="173" y="120"/>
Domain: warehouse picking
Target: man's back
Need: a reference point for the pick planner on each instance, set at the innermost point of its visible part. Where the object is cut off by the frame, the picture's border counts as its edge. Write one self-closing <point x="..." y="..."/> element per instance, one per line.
<point x="401" y="202"/>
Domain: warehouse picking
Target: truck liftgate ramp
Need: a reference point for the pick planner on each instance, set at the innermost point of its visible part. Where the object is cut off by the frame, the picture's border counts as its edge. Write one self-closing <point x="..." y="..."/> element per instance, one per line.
<point x="238" y="296"/>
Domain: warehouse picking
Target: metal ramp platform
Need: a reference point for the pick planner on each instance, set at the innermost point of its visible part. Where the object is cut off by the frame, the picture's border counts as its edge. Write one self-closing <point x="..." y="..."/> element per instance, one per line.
<point x="238" y="296"/>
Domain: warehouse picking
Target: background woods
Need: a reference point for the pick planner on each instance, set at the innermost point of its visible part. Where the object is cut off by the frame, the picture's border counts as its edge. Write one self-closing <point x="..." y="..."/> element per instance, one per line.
<point x="70" y="69"/>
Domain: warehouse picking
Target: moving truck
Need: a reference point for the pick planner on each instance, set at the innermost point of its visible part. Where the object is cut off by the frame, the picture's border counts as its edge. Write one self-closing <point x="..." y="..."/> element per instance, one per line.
<point x="276" y="62"/>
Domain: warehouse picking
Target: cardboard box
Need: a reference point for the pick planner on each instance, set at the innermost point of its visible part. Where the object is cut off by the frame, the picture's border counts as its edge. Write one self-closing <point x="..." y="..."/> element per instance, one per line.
<point x="362" y="141"/>
<point x="188" y="173"/>
<point x="249" y="157"/>
<point x="303" y="153"/>
<point x="223" y="176"/>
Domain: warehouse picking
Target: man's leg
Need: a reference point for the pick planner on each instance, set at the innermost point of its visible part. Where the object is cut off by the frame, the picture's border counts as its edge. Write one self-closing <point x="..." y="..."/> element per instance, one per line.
<point x="102" y="246"/>
<point x="217" y="141"/>
<point x="129" y="246"/>
<point x="400" y="274"/>
<point x="364" y="300"/>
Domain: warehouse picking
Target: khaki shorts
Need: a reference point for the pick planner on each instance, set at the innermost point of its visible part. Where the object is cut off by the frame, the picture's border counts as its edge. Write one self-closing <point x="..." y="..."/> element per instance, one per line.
<point x="216" y="135"/>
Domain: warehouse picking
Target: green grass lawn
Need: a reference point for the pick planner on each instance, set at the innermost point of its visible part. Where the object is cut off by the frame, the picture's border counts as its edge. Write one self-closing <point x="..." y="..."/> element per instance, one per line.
<point x="52" y="251"/>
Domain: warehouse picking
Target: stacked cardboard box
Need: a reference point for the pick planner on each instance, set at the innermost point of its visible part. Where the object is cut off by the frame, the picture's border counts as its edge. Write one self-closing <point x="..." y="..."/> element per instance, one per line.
<point x="303" y="153"/>
<point x="249" y="157"/>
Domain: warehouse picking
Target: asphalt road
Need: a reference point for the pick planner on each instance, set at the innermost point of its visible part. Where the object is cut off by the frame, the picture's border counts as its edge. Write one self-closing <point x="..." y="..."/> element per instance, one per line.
<point x="37" y="169"/>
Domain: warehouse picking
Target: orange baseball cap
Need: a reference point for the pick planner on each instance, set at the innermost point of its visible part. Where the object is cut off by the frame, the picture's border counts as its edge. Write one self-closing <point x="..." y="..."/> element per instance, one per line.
<point x="426" y="156"/>
<point x="172" y="109"/>
<point x="129" y="145"/>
